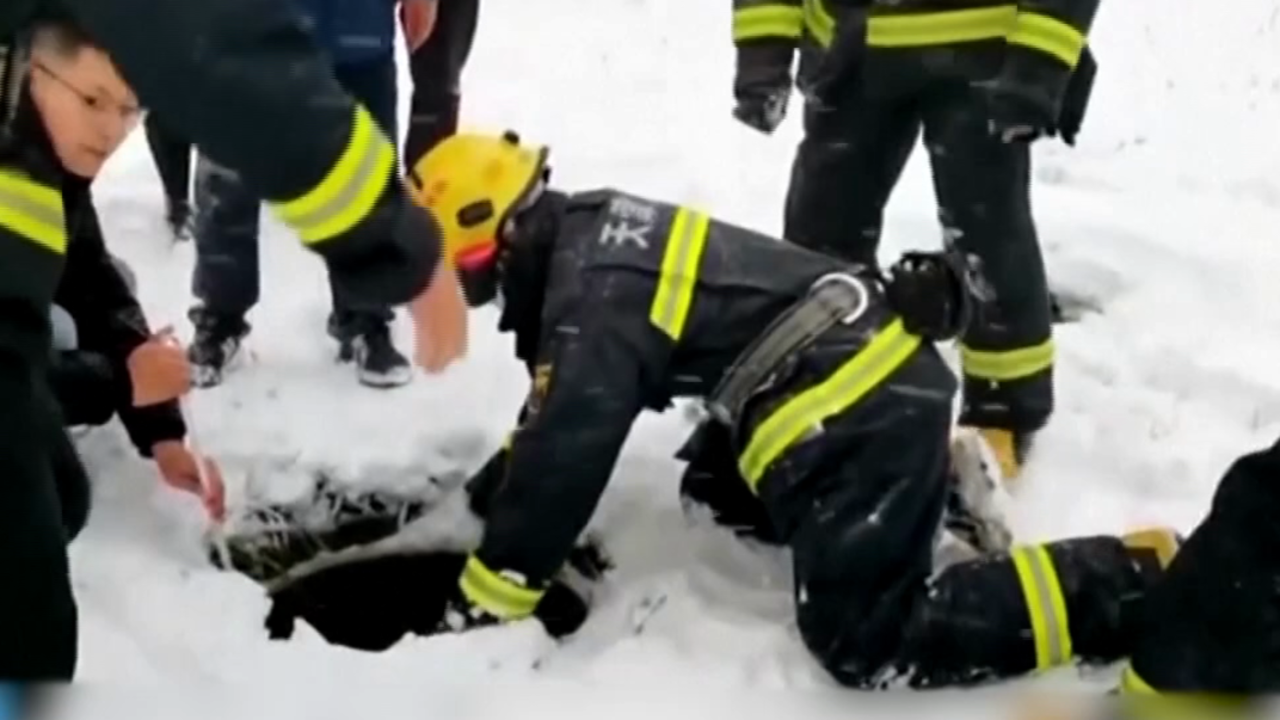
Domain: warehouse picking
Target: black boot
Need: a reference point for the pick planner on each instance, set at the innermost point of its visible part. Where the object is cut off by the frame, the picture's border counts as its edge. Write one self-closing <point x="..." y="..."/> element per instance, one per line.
<point x="216" y="344"/>
<point x="366" y="341"/>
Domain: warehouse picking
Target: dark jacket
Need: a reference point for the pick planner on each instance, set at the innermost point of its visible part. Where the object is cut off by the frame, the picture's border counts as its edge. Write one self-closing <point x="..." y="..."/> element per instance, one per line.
<point x="627" y="304"/>
<point x="354" y="31"/>
<point x="92" y="382"/>
<point x="245" y="81"/>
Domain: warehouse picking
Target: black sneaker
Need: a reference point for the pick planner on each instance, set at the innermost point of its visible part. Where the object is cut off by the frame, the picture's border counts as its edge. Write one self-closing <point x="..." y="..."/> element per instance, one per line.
<point x="178" y="217"/>
<point x="216" y="345"/>
<point x="366" y="341"/>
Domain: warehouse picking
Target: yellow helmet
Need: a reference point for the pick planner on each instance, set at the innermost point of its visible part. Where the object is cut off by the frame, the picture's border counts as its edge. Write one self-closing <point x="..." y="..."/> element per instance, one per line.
<point x="472" y="183"/>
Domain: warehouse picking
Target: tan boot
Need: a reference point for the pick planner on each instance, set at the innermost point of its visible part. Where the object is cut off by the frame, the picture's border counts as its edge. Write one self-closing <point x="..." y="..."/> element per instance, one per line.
<point x="1160" y="543"/>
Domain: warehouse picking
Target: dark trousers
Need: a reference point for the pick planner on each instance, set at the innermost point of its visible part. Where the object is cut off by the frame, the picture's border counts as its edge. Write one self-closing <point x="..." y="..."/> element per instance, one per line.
<point x="43" y="503"/>
<point x="1213" y="624"/>
<point x="437" y="73"/>
<point x="861" y="503"/>
<point x="845" y="168"/>
<point x="172" y="155"/>
<point x="227" y="214"/>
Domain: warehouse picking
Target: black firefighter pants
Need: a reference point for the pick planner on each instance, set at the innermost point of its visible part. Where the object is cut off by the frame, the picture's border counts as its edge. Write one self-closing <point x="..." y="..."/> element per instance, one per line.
<point x="43" y="504"/>
<point x="437" y="75"/>
<point x="848" y="163"/>
<point x="226" y="278"/>
<point x="860" y="504"/>
<point x="1212" y="625"/>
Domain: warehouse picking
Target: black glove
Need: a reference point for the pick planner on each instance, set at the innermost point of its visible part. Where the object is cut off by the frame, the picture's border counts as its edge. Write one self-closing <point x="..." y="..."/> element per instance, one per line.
<point x="762" y="83"/>
<point x="1076" y="100"/>
<point x="1017" y="113"/>
<point x="937" y="294"/>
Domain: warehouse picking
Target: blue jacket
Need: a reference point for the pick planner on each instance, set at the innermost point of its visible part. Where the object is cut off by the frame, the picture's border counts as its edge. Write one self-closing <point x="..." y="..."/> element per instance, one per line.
<point x="353" y="31"/>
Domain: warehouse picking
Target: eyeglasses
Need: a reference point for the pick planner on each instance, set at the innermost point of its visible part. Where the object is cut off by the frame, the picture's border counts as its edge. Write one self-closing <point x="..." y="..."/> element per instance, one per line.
<point x="96" y="104"/>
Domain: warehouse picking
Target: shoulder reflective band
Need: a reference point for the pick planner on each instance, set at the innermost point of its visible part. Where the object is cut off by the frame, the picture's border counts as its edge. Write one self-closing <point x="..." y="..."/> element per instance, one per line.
<point x="861" y="374"/>
<point x="774" y="20"/>
<point x="1006" y="365"/>
<point x="350" y="190"/>
<point x="33" y="211"/>
<point x="495" y="594"/>
<point x="680" y="260"/>
<point x="1046" y="606"/>
<point x="1050" y="36"/>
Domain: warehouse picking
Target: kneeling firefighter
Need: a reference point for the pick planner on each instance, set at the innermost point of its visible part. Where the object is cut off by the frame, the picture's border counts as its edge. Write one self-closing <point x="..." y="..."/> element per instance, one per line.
<point x="982" y="79"/>
<point x="826" y="395"/>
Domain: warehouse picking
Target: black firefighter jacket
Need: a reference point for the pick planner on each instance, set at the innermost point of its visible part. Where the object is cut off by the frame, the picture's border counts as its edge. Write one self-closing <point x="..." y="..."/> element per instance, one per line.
<point x="639" y="302"/>
<point x="92" y="382"/>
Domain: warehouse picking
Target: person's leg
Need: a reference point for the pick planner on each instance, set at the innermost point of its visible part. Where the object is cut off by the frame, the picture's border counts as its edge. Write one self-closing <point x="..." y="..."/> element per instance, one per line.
<point x="38" y="617"/>
<point x="172" y="156"/>
<point x="844" y="170"/>
<point x="226" y="276"/>
<point x="363" y="332"/>
<point x="437" y="68"/>
<point x="984" y="197"/>
<point x="1212" y="625"/>
<point x="861" y="506"/>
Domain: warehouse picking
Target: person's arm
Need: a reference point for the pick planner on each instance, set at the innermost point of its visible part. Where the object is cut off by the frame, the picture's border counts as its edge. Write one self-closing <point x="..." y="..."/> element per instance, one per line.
<point x="244" y="81"/>
<point x="110" y="321"/>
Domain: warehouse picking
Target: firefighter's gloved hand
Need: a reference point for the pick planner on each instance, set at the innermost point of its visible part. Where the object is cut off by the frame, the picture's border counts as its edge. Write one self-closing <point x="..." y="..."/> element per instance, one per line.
<point x="937" y="294"/>
<point x="1018" y="114"/>
<point x="486" y="598"/>
<point x="762" y="83"/>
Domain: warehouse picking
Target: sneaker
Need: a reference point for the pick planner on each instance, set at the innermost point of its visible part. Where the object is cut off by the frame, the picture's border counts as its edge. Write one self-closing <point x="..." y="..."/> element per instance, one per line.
<point x="217" y="343"/>
<point x="366" y="341"/>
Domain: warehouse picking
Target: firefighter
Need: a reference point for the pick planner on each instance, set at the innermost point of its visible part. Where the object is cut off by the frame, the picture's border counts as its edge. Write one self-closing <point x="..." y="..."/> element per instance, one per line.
<point x="982" y="80"/>
<point x="1210" y="626"/>
<point x="243" y="80"/>
<point x="825" y="391"/>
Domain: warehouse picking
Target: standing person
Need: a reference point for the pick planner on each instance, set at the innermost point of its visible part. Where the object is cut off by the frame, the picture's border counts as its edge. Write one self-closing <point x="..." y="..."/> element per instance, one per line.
<point x="172" y="156"/>
<point x="358" y="36"/>
<point x="440" y="36"/>
<point x="257" y="97"/>
<point x="982" y="82"/>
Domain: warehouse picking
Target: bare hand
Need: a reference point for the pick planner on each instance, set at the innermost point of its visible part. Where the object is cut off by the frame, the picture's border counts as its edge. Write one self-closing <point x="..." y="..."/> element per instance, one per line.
<point x="159" y="370"/>
<point x="177" y="466"/>
<point x="439" y="317"/>
<point x="418" y="18"/>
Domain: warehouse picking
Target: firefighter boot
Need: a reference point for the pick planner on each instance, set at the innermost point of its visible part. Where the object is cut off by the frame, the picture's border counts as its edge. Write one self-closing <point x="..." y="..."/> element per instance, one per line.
<point x="1009" y="448"/>
<point x="974" y="522"/>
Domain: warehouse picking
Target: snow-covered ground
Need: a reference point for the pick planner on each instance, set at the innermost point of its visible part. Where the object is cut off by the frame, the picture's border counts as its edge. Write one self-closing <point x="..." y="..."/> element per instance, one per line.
<point x="1166" y="213"/>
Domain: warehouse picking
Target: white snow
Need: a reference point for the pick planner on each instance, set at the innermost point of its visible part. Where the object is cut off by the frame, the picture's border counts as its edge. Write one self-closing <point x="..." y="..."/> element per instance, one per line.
<point x="1167" y="212"/>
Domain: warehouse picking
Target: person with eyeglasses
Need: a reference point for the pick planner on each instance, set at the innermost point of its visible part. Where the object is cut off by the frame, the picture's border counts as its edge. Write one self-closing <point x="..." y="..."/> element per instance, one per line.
<point x="242" y="79"/>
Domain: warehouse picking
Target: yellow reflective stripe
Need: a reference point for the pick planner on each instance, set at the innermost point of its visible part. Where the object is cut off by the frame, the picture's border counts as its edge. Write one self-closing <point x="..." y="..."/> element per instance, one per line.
<point x="1144" y="701"/>
<point x="680" y="260"/>
<point x="350" y="190"/>
<point x="1050" y="36"/>
<point x="33" y="211"/>
<point x="861" y="374"/>
<point x="820" y="24"/>
<point x="1046" y="606"/>
<point x="940" y="28"/>
<point x="1005" y="365"/>
<point x="784" y="21"/>
<point x="495" y="594"/>
<point x="1131" y="682"/>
